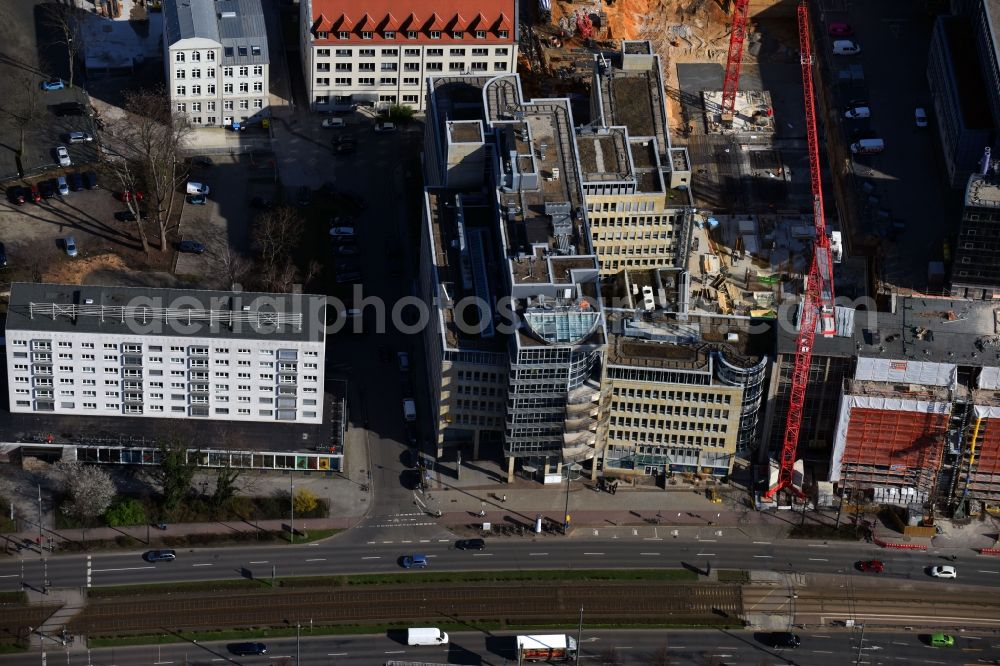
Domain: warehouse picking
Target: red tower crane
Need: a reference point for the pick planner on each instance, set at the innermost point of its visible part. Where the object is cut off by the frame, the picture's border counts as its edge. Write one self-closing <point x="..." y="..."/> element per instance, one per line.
<point x="731" y="82"/>
<point x="818" y="301"/>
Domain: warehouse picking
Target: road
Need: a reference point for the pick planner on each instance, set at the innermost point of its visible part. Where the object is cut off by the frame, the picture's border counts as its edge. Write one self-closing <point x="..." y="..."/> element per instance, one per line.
<point x="699" y="648"/>
<point x="353" y="556"/>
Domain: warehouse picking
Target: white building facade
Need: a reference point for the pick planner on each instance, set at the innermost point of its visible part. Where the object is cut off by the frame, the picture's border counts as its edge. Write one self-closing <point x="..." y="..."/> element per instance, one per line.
<point x="381" y="53"/>
<point x="168" y="353"/>
<point x="216" y="59"/>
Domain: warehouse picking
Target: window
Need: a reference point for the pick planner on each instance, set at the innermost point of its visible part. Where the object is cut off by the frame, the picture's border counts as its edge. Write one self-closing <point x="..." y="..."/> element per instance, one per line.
<point x="411" y="53"/>
<point x="227" y="88"/>
<point x="480" y="34"/>
<point x="228" y="51"/>
<point x="435" y="34"/>
<point x="244" y="87"/>
<point x="503" y="34"/>
<point x="343" y="34"/>
<point x="501" y="51"/>
<point x="435" y="53"/>
<point x="228" y="105"/>
<point x="480" y="52"/>
<point x="227" y="72"/>
<point x="178" y="57"/>
<point x="365" y="34"/>
<point x="479" y="66"/>
<point x="210" y="73"/>
<point x="409" y="99"/>
<point x="366" y="81"/>
<point x="366" y="53"/>
<point x="258" y="104"/>
<point x="342" y="81"/>
<point x="323" y="53"/>
<point x="258" y="70"/>
<point x="196" y="90"/>
<point x="456" y="66"/>
<point x="411" y="67"/>
<point x="244" y="104"/>
<point x="411" y="34"/>
<point x="434" y="67"/>
<point x="389" y="67"/>
<point x="210" y="90"/>
<point x="458" y="34"/>
<point x="344" y="53"/>
<point x="196" y="56"/>
<point x="499" y="66"/>
<point x="180" y="74"/>
<point x="322" y="67"/>
<point x="258" y="86"/>
<point x="211" y="120"/>
<point x="387" y="81"/>
<point x="181" y="91"/>
<point x="244" y="71"/>
<point x="195" y="73"/>
<point x="411" y="81"/>
<point x="322" y="81"/>
<point x="242" y="51"/>
<point x="389" y="34"/>
<point x="344" y="67"/>
<point x="255" y="50"/>
<point x="196" y="106"/>
<point x="210" y="56"/>
<point x="456" y="53"/>
<point x="366" y="67"/>
<point x="181" y="108"/>
<point x="322" y="34"/>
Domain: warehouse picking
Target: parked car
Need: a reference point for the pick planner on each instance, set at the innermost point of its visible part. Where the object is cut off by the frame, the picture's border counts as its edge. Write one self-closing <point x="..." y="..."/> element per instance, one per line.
<point x="345" y="250"/>
<point x="333" y="123"/>
<point x="470" y="544"/>
<point x="164" y="555"/>
<point x="845" y="47"/>
<point x="197" y="199"/>
<point x="943" y="571"/>
<point x="53" y="84"/>
<point x="34" y="194"/>
<point x="344" y="148"/>
<point x="79" y="137"/>
<point x="920" y="116"/>
<point x="857" y="112"/>
<point x="16" y="194"/>
<point x="75" y="181"/>
<point x="247" y="649"/>
<point x="194" y="247"/>
<point x="63" y="156"/>
<point x="304" y="197"/>
<point x="62" y="185"/>
<point x="840" y="30"/>
<point x="69" y="244"/>
<point x="779" y="639"/>
<point x="90" y="180"/>
<point x="403" y="361"/>
<point x="129" y="216"/>
<point x="129" y="195"/>
<point x="47" y="188"/>
<point x="69" y="109"/>
<point x="194" y="187"/>
<point x="342" y="232"/>
<point x="201" y="161"/>
<point x="414" y="562"/>
<point x="385" y="127"/>
<point x="941" y="640"/>
<point x="873" y="566"/>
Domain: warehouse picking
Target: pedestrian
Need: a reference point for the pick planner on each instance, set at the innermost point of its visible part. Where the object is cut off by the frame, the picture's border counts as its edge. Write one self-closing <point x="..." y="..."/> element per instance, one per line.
<point x="504" y="498"/>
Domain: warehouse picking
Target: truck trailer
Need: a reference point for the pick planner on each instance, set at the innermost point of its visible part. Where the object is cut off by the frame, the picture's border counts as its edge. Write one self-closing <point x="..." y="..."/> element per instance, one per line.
<point x="549" y="647"/>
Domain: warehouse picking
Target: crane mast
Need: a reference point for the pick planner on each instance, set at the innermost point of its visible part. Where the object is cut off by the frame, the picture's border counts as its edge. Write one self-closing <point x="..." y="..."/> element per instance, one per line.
<point x="731" y="80"/>
<point x="817" y="308"/>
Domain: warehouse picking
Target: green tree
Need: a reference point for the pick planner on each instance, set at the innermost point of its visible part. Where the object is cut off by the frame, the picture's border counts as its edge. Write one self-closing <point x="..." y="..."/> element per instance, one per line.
<point x="305" y="501"/>
<point x="174" y="474"/>
<point x="225" y="485"/>
<point x="125" y="512"/>
<point x="400" y="113"/>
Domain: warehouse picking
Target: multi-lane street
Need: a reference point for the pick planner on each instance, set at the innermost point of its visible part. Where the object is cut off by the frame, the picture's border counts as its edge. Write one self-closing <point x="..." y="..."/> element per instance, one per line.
<point x="351" y="555"/>
<point x="475" y="648"/>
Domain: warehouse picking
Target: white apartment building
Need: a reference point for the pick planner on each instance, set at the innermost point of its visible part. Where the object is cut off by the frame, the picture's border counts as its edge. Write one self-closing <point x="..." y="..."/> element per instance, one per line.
<point x="381" y="52"/>
<point x="216" y="60"/>
<point x="167" y="353"/>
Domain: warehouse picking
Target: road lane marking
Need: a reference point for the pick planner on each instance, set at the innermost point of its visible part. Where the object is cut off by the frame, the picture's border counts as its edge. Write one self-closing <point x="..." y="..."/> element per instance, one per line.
<point x="763" y="543"/>
<point x="425" y="541"/>
<point x="316" y="559"/>
<point x="203" y="564"/>
<point x="444" y="540"/>
<point x="432" y="556"/>
<point x="707" y="540"/>
<point x="386" y="542"/>
<point x="652" y="538"/>
<point x="259" y="562"/>
<point x="593" y="553"/>
<point x="395" y="652"/>
<point x="537" y="554"/>
<point x="10" y="576"/>
<point x="900" y="643"/>
<point x="158" y="663"/>
<point x="372" y="557"/>
<point x="705" y="555"/>
<point x="764" y="556"/>
<point x="406" y="541"/>
<point x="482" y="554"/>
<point x="818" y="559"/>
<point x="818" y="545"/>
<point x="336" y="654"/>
<point x="656" y="554"/>
<point x="992" y="572"/>
<point x="122" y="569"/>
<point x="822" y="652"/>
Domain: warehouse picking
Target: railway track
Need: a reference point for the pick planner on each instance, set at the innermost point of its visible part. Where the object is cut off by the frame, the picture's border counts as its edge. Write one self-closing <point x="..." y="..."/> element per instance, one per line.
<point x="543" y="602"/>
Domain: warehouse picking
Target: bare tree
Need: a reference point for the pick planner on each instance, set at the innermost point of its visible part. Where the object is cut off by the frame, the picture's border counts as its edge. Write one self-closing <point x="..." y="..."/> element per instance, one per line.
<point x="276" y="234"/>
<point x="149" y="138"/>
<point x="232" y="264"/>
<point x="661" y="656"/>
<point x="610" y="656"/>
<point x="22" y="107"/>
<point x="64" y="21"/>
<point x="90" y="488"/>
<point x="128" y="176"/>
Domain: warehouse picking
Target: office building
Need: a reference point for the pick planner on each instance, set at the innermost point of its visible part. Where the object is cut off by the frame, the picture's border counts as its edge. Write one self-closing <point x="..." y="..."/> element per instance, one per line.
<point x="975" y="272"/>
<point x="381" y="54"/>
<point x="636" y="185"/>
<point x="216" y="60"/>
<point x="168" y="353"/>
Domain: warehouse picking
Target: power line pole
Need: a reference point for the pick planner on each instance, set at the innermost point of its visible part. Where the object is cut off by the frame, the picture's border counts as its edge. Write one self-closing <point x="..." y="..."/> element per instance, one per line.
<point x="579" y="637"/>
<point x="291" y="504"/>
<point x="298" y="644"/>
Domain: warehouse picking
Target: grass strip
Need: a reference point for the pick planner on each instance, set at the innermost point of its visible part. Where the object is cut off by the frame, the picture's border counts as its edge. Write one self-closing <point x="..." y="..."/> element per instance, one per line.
<point x="410" y="578"/>
<point x="733" y="576"/>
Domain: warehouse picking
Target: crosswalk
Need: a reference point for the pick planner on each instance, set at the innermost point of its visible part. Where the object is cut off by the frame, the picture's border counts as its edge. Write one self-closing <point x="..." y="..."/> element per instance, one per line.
<point x="416" y="519"/>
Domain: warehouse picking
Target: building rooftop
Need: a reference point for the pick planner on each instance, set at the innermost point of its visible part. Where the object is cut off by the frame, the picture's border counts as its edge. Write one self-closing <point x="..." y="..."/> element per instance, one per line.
<point x="190" y="19"/>
<point x="631" y="93"/>
<point x="61" y="308"/>
<point x="982" y="191"/>
<point x="664" y="342"/>
<point x="236" y="24"/>
<point x="963" y="332"/>
<point x="389" y="21"/>
<point x="604" y="155"/>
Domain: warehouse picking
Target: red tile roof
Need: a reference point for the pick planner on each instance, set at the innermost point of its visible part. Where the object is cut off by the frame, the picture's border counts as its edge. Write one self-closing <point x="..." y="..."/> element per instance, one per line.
<point x="444" y="16"/>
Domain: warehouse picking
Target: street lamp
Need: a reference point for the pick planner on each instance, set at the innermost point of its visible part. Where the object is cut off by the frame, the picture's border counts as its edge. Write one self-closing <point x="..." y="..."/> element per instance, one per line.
<point x="572" y="467"/>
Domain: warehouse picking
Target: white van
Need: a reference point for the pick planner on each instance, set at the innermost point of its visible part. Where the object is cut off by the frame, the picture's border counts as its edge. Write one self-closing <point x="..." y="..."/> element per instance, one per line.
<point x="858" y="112"/>
<point x="867" y="146"/>
<point x="426" y="636"/>
<point x="409" y="410"/>
<point x="845" y="47"/>
<point x="197" y="188"/>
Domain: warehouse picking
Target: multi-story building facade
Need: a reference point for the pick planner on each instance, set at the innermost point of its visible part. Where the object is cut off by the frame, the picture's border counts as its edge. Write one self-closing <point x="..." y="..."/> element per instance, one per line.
<point x="168" y="353"/>
<point x="636" y="185"/>
<point x="216" y="60"/>
<point x="382" y="53"/>
<point x="976" y="270"/>
<point x="522" y="251"/>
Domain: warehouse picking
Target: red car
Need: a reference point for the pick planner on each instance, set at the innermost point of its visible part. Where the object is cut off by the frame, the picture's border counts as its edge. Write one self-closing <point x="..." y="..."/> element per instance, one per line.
<point x="840" y="30"/>
<point x="873" y="566"/>
<point x="34" y="194"/>
<point x="128" y="195"/>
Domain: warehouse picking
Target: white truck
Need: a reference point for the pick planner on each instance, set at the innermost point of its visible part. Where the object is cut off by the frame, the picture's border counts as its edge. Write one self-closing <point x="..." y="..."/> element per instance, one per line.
<point x="426" y="636"/>
<point x="409" y="410"/>
<point x="548" y="647"/>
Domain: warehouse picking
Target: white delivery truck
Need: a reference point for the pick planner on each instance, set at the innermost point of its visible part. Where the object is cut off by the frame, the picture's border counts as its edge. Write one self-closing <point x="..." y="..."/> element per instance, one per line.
<point x="409" y="409"/>
<point x="867" y="146"/>
<point x="426" y="636"/>
<point x="549" y="647"/>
